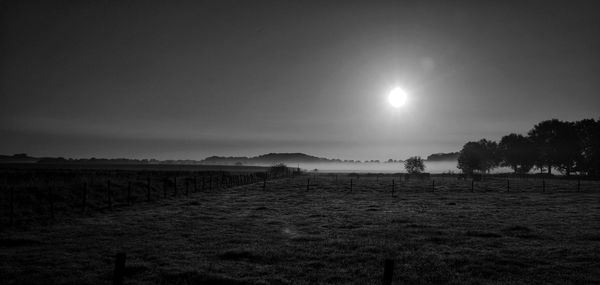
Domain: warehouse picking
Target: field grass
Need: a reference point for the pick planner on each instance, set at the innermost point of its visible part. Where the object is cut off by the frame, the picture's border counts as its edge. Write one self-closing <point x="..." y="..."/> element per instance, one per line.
<point x="42" y="195"/>
<point x="326" y="235"/>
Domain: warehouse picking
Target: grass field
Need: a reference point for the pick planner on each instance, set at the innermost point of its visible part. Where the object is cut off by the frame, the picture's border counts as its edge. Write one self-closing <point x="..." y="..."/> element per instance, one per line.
<point x="326" y="235"/>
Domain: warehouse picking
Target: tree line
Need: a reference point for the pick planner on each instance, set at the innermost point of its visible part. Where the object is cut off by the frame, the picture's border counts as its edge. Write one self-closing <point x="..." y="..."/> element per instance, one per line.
<point x="569" y="147"/>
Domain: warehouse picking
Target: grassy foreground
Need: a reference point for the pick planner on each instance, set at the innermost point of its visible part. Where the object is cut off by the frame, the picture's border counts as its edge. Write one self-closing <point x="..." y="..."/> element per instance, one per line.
<point x="326" y="235"/>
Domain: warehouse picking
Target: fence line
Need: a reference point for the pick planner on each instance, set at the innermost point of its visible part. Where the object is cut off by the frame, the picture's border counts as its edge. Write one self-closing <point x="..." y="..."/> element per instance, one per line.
<point x="209" y="181"/>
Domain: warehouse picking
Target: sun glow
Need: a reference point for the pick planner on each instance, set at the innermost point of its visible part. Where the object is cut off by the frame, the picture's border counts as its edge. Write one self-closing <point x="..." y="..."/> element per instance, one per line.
<point x="397" y="97"/>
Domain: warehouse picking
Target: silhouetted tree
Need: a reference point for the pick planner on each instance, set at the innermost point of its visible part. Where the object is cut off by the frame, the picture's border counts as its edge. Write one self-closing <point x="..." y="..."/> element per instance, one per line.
<point x="414" y="164"/>
<point x="568" y="148"/>
<point x="557" y="145"/>
<point x="517" y="152"/>
<point x="481" y="156"/>
<point x="543" y="136"/>
<point x="588" y="160"/>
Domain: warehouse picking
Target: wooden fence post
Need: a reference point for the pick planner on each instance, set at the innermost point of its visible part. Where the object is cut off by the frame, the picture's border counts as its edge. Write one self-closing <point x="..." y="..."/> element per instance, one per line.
<point x="175" y="186"/>
<point x="388" y="272"/>
<point x="108" y="193"/>
<point x="507" y="185"/>
<point x="432" y="185"/>
<point x="472" y="185"/>
<point x="393" y="186"/>
<point x="165" y="188"/>
<point x="543" y="185"/>
<point x="578" y="184"/>
<point x="148" y="189"/>
<point x="195" y="184"/>
<point x="12" y="206"/>
<point x="350" y="184"/>
<point x="84" y="196"/>
<point x="119" y="269"/>
<point x="51" y="201"/>
<point x="307" y="184"/>
<point x="129" y="192"/>
<point x="265" y="183"/>
<point x="187" y="185"/>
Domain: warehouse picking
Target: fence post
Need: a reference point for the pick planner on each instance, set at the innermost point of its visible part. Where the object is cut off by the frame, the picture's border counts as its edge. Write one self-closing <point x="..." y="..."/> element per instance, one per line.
<point x="388" y="272"/>
<point x="175" y="186"/>
<point x="210" y="183"/>
<point x="265" y="183"/>
<point x="507" y="185"/>
<point x="129" y="192"/>
<point x="543" y="185"/>
<point x="432" y="185"/>
<point x="165" y="188"/>
<point x="108" y="193"/>
<point x="84" y="196"/>
<point x="393" y="185"/>
<point x="307" y="184"/>
<point x="578" y="184"/>
<point x="350" y="184"/>
<point x="12" y="206"/>
<point x="148" y="189"/>
<point x="472" y="185"/>
<point x="119" y="269"/>
<point x="51" y="201"/>
<point x="187" y="185"/>
<point x="195" y="184"/>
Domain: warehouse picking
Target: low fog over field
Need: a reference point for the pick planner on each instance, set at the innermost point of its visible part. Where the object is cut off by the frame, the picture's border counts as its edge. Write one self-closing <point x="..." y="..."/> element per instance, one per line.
<point x="435" y="167"/>
<point x="366" y="167"/>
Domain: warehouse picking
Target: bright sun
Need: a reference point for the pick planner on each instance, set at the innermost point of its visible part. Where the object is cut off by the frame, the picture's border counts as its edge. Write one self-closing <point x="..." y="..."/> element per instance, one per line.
<point x="397" y="97"/>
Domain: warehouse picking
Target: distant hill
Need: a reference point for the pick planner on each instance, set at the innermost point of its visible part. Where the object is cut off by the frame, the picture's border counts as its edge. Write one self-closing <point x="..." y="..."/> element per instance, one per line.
<point x="451" y="156"/>
<point x="18" y="158"/>
<point x="271" y="158"/>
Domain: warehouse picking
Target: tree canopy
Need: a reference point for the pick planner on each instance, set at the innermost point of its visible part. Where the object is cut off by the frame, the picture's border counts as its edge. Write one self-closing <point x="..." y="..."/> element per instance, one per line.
<point x="414" y="165"/>
<point x="566" y="146"/>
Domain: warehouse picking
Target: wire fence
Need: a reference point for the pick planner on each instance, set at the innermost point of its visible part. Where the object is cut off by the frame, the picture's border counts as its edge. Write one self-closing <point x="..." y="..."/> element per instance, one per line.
<point x="30" y="196"/>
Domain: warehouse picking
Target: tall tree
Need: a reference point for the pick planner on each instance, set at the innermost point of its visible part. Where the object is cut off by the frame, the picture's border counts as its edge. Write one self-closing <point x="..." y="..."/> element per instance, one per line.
<point x="517" y="152"/>
<point x="588" y="133"/>
<point x="556" y="144"/>
<point x="568" y="148"/>
<point x="481" y="155"/>
<point x="544" y="136"/>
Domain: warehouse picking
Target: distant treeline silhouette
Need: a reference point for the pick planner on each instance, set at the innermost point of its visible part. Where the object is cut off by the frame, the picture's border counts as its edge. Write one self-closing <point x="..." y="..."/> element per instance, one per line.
<point x="570" y="147"/>
<point x="265" y="159"/>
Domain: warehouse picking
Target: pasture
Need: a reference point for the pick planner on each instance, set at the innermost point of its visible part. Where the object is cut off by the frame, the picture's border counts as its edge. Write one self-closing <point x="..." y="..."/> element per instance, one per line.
<point x="326" y="233"/>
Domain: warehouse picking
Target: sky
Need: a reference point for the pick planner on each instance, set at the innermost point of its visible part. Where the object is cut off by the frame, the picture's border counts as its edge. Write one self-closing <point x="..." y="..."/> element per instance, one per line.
<point x="191" y="79"/>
